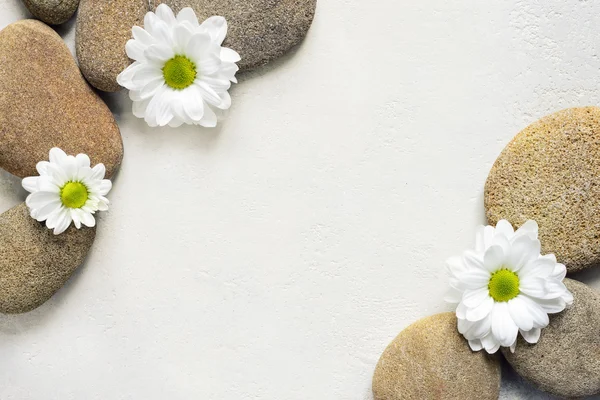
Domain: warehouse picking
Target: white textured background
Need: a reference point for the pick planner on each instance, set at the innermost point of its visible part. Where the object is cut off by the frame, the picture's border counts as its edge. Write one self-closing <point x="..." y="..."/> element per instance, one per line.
<point x="276" y="256"/>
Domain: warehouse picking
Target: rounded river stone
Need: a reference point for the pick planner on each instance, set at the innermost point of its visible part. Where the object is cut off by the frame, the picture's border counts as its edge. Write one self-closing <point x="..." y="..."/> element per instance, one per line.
<point x="45" y="103"/>
<point x="259" y="30"/>
<point x="431" y="360"/>
<point x="35" y="263"/>
<point x="53" y="12"/>
<point x="566" y="360"/>
<point x="550" y="172"/>
<point x="103" y="29"/>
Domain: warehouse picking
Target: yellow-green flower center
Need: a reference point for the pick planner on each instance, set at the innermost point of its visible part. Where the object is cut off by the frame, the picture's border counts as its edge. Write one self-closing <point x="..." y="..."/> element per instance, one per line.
<point x="74" y="195"/>
<point x="503" y="285"/>
<point x="179" y="72"/>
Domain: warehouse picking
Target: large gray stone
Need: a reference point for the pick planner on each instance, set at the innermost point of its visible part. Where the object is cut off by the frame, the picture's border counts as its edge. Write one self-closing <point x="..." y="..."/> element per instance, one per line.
<point x="566" y="360"/>
<point x="53" y="12"/>
<point x="431" y="360"/>
<point x="549" y="172"/>
<point x="45" y="103"/>
<point x="35" y="263"/>
<point x="259" y="30"/>
<point x="103" y="29"/>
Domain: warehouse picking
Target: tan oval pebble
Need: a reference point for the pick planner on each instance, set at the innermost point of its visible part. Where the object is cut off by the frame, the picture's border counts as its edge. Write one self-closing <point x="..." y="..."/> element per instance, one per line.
<point x="566" y="359"/>
<point x="53" y="12"/>
<point x="259" y="30"/>
<point x="35" y="263"/>
<point x="431" y="360"/>
<point x="45" y="103"/>
<point x="550" y="173"/>
<point x="103" y="29"/>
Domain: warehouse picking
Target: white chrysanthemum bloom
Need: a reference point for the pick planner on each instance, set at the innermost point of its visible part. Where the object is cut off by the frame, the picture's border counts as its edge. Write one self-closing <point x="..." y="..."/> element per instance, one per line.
<point x="505" y="286"/>
<point x="68" y="189"/>
<point x="181" y="71"/>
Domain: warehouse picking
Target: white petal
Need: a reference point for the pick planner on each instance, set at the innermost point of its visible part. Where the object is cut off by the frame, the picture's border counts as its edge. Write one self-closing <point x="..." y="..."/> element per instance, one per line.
<point x="188" y="14"/>
<point x="124" y="78"/>
<point x="139" y="108"/>
<point x="534" y="287"/>
<point x="493" y="258"/>
<point x="88" y="219"/>
<point x="41" y="167"/>
<point x="453" y="296"/>
<point x="57" y="155"/>
<point x="208" y="94"/>
<point x="63" y="221"/>
<point x="69" y="166"/>
<point x="481" y="311"/>
<point x="104" y="187"/>
<point x="159" y="54"/>
<point x="490" y="343"/>
<point x="540" y="317"/>
<point x="552" y="306"/>
<point x="488" y="236"/>
<point x="529" y="228"/>
<point x="98" y="172"/>
<point x="194" y="106"/>
<point x="538" y="268"/>
<point x="30" y="183"/>
<point x="40" y="199"/>
<point x="135" y="50"/>
<point x="83" y="160"/>
<point x="181" y="37"/>
<point x="504" y="227"/>
<point x="140" y="35"/>
<point x="76" y="217"/>
<point x="210" y="118"/>
<point x="197" y="47"/>
<point x="209" y="64"/>
<point x="532" y="336"/>
<point x="519" y="312"/>
<point x="455" y="266"/>
<point x="228" y="55"/>
<point x="474" y="297"/>
<point x="504" y="328"/>
<point x="559" y="272"/>
<point x="46" y="211"/>
<point x="165" y="13"/>
<point x="475" y="344"/>
<point x="523" y="250"/>
<point x="478" y="329"/>
<point x="217" y="27"/>
<point x="474" y="279"/>
<point x="148" y="73"/>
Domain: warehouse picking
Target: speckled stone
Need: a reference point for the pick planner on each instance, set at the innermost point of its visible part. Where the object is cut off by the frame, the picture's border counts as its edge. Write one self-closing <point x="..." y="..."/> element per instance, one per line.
<point x="431" y="360"/>
<point x="259" y="30"/>
<point x="566" y="360"/>
<point x="45" y="102"/>
<point x="550" y="172"/>
<point x="53" y="12"/>
<point x="34" y="263"/>
<point x="103" y="29"/>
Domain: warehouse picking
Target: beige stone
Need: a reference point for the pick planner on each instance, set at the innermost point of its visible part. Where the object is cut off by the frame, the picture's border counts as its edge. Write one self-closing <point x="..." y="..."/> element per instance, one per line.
<point x="35" y="263"/>
<point x="431" y="360"/>
<point x="259" y="30"/>
<point x="53" y="12"/>
<point x="45" y="102"/>
<point x="566" y="359"/>
<point x="550" y="173"/>
<point x="103" y="29"/>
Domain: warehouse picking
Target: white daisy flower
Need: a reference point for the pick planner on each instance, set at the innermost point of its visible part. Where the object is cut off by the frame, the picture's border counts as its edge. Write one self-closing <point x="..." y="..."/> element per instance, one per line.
<point x="68" y="189"/>
<point x="181" y="73"/>
<point x="505" y="286"/>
